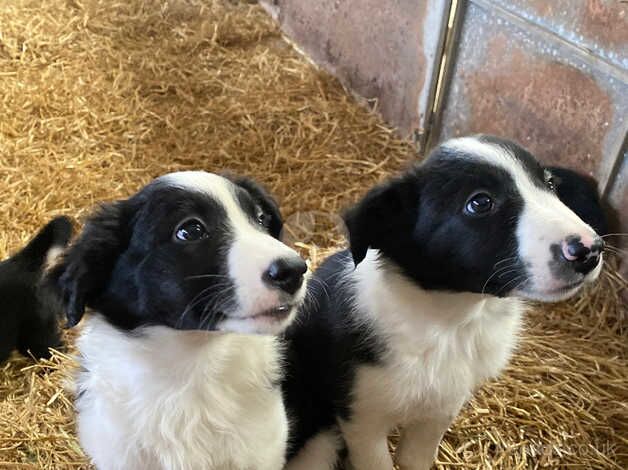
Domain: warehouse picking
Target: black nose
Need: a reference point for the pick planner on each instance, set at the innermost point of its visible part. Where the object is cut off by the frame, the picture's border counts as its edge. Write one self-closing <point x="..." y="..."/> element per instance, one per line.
<point x="583" y="257"/>
<point x="286" y="274"/>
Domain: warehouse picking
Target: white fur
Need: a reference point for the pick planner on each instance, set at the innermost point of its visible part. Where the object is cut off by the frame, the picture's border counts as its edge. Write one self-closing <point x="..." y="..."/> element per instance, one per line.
<point x="250" y="255"/>
<point x="170" y="399"/>
<point x="544" y="221"/>
<point x="52" y="256"/>
<point x="320" y="453"/>
<point x="440" y="347"/>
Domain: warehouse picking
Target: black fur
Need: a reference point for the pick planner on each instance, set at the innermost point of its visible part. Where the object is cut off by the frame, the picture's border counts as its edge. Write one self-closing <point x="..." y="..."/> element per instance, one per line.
<point x="258" y="195"/>
<point x="580" y="194"/>
<point x="127" y="265"/>
<point x="29" y="316"/>
<point x="324" y="351"/>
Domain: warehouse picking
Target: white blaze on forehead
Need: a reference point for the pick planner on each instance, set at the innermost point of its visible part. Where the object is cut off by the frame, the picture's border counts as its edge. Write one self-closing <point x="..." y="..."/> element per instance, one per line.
<point x="495" y="155"/>
<point x="218" y="187"/>
<point x="535" y="198"/>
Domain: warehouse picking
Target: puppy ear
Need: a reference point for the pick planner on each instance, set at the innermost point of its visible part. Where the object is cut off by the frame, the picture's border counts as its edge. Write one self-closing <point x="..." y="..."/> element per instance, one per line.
<point x="55" y="234"/>
<point x="372" y="221"/>
<point x="263" y="198"/>
<point x="84" y="271"/>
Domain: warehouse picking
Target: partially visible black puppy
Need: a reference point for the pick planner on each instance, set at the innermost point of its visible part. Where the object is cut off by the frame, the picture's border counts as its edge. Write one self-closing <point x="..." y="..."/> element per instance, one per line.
<point x="28" y="315"/>
<point x="580" y="194"/>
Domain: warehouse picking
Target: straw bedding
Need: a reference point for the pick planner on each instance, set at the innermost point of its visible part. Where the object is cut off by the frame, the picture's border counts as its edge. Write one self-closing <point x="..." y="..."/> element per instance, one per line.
<point x="97" y="98"/>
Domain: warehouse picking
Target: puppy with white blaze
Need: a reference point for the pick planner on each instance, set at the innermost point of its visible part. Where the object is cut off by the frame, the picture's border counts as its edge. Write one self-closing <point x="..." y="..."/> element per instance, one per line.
<point x="180" y="365"/>
<point x="427" y="304"/>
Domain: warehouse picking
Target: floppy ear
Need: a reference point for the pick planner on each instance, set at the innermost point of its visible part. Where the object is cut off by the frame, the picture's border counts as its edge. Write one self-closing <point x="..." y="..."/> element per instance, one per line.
<point x="384" y="210"/>
<point x="86" y="266"/>
<point x="55" y="234"/>
<point x="265" y="201"/>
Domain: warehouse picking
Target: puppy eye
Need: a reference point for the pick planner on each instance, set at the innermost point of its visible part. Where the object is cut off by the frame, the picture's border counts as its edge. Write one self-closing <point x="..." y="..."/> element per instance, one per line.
<point x="262" y="218"/>
<point x="549" y="181"/>
<point x="550" y="184"/>
<point x="478" y="204"/>
<point x="190" y="231"/>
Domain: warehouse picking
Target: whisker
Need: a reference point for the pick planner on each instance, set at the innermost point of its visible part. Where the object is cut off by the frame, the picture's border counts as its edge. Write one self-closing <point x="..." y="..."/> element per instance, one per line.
<point x="207" y="314"/>
<point x="514" y="279"/>
<point x="335" y="276"/>
<point x="616" y="251"/>
<point x="323" y="286"/>
<point x="521" y="283"/>
<point x="203" y="276"/>
<point x="203" y="293"/>
<point x="614" y="235"/>
<point x="613" y="247"/>
<point x="500" y="270"/>
<point x="507" y="272"/>
<point x="212" y="308"/>
<point x="504" y="260"/>
<point x="200" y="297"/>
<point x="311" y="299"/>
<point x="614" y="255"/>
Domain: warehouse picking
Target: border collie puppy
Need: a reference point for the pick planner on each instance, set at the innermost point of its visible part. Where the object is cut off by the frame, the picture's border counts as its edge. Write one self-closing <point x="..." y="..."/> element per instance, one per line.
<point x="29" y="317"/>
<point x="188" y="283"/>
<point x="427" y="304"/>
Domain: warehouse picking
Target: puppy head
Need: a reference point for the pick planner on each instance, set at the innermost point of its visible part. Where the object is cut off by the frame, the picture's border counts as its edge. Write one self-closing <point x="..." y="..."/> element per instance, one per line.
<point x="191" y="250"/>
<point x="479" y="215"/>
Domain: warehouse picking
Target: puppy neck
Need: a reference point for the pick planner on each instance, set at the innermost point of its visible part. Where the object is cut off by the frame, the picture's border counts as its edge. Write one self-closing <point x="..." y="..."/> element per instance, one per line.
<point x="384" y="290"/>
<point x="164" y="352"/>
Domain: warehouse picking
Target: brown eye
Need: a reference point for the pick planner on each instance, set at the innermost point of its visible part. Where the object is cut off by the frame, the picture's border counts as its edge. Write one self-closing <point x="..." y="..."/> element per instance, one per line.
<point x="549" y="181"/>
<point x="190" y="231"/>
<point x="479" y="204"/>
<point x="262" y="218"/>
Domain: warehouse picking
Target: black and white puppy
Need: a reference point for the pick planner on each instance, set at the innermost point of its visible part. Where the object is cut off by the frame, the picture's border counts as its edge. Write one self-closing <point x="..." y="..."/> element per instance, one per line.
<point x="29" y="316"/>
<point x="179" y="366"/>
<point x="428" y="302"/>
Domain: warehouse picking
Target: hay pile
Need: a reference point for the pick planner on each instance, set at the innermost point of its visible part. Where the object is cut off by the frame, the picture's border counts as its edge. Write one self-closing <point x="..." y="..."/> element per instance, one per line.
<point x="99" y="97"/>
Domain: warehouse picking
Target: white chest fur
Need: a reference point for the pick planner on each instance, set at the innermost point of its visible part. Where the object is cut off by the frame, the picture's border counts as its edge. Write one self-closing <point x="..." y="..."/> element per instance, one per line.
<point x="440" y="345"/>
<point x="170" y="399"/>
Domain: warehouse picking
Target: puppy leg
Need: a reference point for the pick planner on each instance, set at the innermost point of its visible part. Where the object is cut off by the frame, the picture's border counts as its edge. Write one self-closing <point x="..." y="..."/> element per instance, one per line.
<point x="419" y="443"/>
<point x="320" y="452"/>
<point x="367" y="445"/>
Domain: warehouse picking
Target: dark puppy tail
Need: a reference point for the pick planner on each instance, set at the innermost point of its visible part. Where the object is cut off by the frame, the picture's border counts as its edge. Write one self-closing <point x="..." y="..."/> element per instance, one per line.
<point x="56" y="234"/>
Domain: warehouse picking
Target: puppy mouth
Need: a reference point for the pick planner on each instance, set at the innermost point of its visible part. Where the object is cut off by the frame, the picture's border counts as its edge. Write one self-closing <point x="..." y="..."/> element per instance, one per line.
<point x="278" y="313"/>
